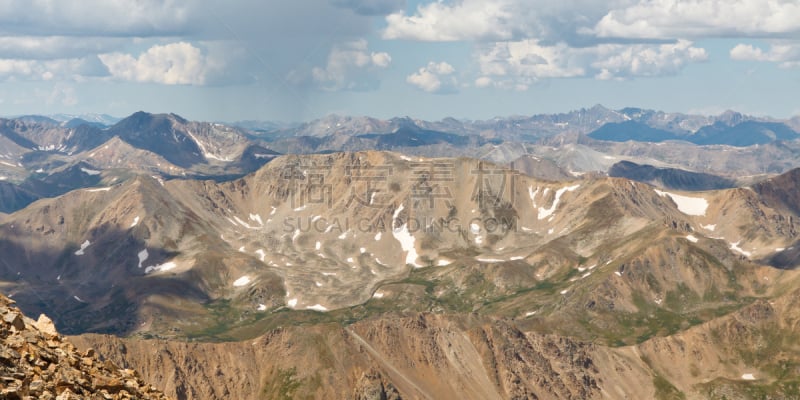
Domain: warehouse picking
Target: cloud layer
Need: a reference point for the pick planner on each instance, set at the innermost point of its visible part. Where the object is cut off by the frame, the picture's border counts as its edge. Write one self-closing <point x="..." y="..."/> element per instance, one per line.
<point x="435" y="78"/>
<point x="314" y="46"/>
<point x="520" y="42"/>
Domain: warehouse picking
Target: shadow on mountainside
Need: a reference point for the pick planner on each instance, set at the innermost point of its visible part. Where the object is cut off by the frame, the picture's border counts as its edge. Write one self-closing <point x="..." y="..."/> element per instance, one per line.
<point x="101" y="290"/>
<point x="788" y="259"/>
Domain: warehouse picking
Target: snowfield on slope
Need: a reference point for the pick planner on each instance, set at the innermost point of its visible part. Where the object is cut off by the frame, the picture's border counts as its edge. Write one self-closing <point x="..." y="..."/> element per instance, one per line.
<point x="695" y="206"/>
<point x="406" y="239"/>
<point x="546" y="212"/>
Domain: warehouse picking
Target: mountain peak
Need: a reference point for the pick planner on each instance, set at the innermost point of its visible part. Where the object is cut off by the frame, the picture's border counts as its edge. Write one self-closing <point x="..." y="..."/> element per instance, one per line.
<point x="730" y="117"/>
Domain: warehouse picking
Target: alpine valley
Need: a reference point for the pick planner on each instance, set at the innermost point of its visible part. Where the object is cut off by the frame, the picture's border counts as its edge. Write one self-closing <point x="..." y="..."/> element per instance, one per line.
<point x="595" y="254"/>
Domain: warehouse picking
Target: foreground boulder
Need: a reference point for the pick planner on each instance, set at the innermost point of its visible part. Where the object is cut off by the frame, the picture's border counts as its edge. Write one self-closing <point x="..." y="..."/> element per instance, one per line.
<point x="37" y="363"/>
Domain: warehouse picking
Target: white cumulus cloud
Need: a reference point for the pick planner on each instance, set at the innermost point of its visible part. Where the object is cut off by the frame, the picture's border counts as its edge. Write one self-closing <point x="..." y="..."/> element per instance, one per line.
<point x="786" y="55"/>
<point x="435" y="78"/>
<point x="463" y="20"/>
<point x="517" y="65"/>
<point x="701" y="18"/>
<point x="349" y="67"/>
<point x="172" y="64"/>
<point x="621" y="61"/>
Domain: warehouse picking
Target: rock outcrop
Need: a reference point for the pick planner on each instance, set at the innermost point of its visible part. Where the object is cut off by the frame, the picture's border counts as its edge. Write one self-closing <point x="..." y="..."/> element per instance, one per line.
<point x="37" y="363"/>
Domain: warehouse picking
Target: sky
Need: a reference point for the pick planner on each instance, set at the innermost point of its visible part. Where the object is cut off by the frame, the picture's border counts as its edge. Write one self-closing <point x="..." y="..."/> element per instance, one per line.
<point x="296" y="60"/>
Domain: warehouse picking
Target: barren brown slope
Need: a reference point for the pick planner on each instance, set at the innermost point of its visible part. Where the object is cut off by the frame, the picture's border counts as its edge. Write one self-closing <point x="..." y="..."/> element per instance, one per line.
<point x="421" y="356"/>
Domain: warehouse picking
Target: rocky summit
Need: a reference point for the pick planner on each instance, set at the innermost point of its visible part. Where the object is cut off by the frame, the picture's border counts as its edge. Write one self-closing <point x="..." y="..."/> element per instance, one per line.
<point x="37" y="363"/>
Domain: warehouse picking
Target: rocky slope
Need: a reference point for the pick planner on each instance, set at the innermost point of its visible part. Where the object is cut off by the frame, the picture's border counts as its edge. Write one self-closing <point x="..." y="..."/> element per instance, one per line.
<point x="36" y="362"/>
<point x="748" y="354"/>
<point x="419" y="356"/>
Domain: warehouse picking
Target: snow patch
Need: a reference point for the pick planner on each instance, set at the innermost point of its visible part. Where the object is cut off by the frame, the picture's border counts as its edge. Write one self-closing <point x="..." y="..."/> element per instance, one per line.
<point x="135" y="222"/>
<point x="244" y="224"/>
<point x="317" y="307"/>
<point x="318" y="245"/>
<point x="474" y="228"/>
<point x="618" y="273"/>
<point x="256" y="218"/>
<point x="362" y="250"/>
<point x="84" y="246"/>
<point x="88" y="171"/>
<point x="735" y="247"/>
<point x="205" y="152"/>
<point x="406" y="240"/>
<point x="443" y="263"/>
<point x="530" y="313"/>
<point x="696" y="206"/>
<point x="565" y="291"/>
<point x="748" y="377"/>
<point x="262" y="307"/>
<point x="533" y="194"/>
<point x="378" y="236"/>
<point x="489" y="260"/>
<point x="261" y="254"/>
<point x="161" y="267"/>
<point x="292" y="303"/>
<point x="546" y="212"/>
<point x="692" y="238"/>
<point x="105" y="189"/>
<point x="143" y="255"/>
<point x="241" y="281"/>
<point x="378" y="295"/>
<point x="709" y="227"/>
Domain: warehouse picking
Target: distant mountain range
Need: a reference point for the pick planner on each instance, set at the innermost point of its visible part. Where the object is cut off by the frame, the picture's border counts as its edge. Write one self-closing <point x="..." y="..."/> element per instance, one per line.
<point x="45" y="156"/>
<point x="742" y="134"/>
<point x="628" y="124"/>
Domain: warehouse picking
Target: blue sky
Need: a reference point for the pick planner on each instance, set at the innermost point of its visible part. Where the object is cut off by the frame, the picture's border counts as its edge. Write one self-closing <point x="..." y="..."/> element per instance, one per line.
<point x="476" y="59"/>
